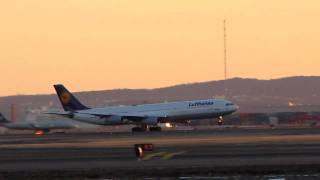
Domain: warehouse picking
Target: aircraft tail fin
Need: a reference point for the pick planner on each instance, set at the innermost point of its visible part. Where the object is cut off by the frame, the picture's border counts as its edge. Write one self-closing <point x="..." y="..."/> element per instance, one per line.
<point x="3" y="119"/>
<point x="68" y="101"/>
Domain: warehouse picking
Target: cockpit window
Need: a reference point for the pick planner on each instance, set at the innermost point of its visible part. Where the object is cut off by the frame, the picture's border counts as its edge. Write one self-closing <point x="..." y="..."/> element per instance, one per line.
<point x="229" y="104"/>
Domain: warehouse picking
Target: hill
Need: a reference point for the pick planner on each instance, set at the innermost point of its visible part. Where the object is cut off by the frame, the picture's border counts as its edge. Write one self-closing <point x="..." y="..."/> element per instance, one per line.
<point x="252" y="95"/>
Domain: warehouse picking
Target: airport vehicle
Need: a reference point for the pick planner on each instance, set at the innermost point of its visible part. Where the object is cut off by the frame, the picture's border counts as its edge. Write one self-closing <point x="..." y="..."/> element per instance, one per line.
<point x="145" y="116"/>
<point x="39" y="127"/>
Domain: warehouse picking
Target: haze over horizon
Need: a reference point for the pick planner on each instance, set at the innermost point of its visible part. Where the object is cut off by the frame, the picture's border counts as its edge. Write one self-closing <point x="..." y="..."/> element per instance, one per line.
<point x="162" y="87"/>
<point x="98" y="45"/>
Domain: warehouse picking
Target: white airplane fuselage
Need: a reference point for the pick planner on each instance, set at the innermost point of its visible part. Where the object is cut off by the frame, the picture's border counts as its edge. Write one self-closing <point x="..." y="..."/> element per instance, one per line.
<point x="152" y="114"/>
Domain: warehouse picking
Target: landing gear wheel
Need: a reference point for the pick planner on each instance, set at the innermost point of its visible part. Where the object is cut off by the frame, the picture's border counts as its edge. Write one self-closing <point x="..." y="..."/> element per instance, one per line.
<point x="155" y="128"/>
<point x="137" y="129"/>
<point x="143" y="128"/>
<point x="220" y="121"/>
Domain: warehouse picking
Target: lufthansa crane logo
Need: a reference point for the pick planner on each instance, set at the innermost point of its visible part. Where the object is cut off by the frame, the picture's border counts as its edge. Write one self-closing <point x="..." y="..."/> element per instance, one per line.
<point x="204" y="103"/>
<point x="65" y="97"/>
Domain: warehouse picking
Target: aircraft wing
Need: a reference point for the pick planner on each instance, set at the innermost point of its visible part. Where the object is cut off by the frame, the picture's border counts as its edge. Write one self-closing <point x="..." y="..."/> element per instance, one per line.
<point x="135" y="117"/>
<point x="65" y="113"/>
<point x="54" y="125"/>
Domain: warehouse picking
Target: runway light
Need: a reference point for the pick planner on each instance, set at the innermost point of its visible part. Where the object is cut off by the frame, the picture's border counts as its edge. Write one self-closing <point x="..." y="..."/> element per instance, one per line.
<point x="290" y="104"/>
<point x="141" y="148"/>
<point x="39" y="133"/>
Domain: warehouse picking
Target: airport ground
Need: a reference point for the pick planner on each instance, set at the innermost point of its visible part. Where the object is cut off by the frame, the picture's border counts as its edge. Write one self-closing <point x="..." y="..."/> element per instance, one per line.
<point x="226" y="153"/>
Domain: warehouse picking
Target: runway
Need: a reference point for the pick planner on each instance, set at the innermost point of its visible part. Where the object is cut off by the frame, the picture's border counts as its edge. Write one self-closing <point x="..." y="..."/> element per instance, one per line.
<point x="176" y="153"/>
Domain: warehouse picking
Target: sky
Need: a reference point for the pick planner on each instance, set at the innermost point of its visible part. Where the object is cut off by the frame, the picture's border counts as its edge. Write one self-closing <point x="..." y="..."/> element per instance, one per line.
<point x="110" y="44"/>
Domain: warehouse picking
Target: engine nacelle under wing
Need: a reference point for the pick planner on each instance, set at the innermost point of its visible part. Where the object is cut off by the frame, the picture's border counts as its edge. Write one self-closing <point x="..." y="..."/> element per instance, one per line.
<point x="150" y="120"/>
<point x="100" y="120"/>
<point x="114" y="120"/>
<point x="88" y="118"/>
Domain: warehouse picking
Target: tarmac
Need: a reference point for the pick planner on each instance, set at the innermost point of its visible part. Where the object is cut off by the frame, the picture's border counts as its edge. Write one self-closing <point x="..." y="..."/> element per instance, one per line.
<point x="223" y="151"/>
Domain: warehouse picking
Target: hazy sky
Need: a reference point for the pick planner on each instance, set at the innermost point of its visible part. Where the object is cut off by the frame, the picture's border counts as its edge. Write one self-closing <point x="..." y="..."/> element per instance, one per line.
<point x="106" y="44"/>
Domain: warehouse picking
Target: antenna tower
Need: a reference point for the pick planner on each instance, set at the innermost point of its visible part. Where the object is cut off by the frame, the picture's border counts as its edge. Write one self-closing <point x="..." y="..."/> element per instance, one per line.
<point x="225" y="57"/>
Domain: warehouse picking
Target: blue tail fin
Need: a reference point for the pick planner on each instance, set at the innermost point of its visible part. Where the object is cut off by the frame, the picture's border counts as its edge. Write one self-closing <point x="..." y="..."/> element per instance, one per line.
<point x="68" y="101"/>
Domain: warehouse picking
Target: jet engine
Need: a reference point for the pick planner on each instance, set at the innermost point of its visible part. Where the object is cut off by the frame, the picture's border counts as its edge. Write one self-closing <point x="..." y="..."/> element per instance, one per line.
<point x="150" y="121"/>
<point x="84" y="117"/>
<point x="114" y="120"/>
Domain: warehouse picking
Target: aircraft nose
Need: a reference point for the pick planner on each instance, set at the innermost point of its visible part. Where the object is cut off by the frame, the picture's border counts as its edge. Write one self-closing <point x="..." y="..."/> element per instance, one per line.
<point x="236" y="108"/>
<point x="231" y="107"/>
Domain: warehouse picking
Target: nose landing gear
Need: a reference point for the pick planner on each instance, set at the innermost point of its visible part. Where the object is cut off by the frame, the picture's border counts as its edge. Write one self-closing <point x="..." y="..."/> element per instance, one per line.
<point x="220" y="121"/>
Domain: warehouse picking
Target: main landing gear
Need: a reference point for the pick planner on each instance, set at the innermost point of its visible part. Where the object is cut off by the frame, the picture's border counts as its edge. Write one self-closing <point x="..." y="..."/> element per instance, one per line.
<point x="145" y="128"/>
<point x="155" y="128"/>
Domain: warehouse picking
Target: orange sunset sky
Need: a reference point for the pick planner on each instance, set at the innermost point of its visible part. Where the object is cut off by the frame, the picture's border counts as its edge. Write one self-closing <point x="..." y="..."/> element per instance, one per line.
<point x="107" y="44"/>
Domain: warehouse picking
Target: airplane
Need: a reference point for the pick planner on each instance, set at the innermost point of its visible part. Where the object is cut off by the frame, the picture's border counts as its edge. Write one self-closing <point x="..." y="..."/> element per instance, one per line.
<point x="145" y="116"/>
<point x="40" y="127"/>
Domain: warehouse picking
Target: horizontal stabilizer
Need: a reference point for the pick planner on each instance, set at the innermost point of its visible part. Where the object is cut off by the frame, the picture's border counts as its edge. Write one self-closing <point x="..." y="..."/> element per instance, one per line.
<point x="65" y="114"/>
<point x="3" y="119"/>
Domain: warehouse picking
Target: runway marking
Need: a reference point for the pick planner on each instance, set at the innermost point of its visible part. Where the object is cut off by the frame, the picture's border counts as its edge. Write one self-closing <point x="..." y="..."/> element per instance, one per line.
<point x="162" y="155"/>
<point x="173" y="140"/>
<point x="171" y="155"/>
<point x="152" y="155"/>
